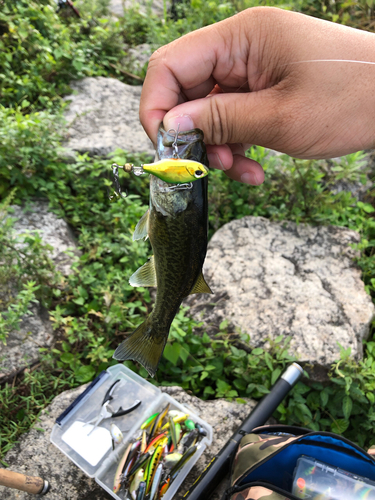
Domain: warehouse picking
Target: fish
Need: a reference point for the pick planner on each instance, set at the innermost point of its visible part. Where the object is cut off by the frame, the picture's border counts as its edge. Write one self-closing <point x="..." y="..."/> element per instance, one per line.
<point x="176" y="170"/>
<point x="177" y="226"/>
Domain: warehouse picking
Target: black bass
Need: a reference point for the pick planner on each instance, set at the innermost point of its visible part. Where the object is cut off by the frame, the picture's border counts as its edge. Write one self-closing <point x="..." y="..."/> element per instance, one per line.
<point x="176" y="224"/>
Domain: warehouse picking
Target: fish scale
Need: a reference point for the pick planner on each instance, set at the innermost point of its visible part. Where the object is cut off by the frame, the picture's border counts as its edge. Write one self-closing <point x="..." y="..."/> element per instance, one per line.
<point x="176" y="225"/>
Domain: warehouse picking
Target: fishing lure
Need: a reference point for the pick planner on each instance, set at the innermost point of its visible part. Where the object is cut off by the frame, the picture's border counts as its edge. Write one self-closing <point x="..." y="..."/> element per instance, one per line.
<point x="185" y="457"/>
<point x="164" y="487"/>
<point x="140" y="463"/>
<point x="141" y="491"/>
<point x="153" y="464"/>
<point x="176" y="420"/>
<point x="173" y="431"/>
<point x="154" y="441"/>
<point x="158" y="421"/>
<point x="172" y="459"/>
<point x="144" y="442"/>
<point x="188" y="440"/>
<point x="156" y="481"/>
<point x="171" y="170"/>
<point x="189" y="425"/>
<point x="149" y="421"/>
<point x="120" y="468"/>
<point x="148" y="471"/>
<point x="116" y="434"/>
<point x="134" y="485"/>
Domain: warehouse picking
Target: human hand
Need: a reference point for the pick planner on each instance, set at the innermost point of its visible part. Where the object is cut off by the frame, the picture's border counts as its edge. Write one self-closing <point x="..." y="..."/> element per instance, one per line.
<point x="255" y="79"/>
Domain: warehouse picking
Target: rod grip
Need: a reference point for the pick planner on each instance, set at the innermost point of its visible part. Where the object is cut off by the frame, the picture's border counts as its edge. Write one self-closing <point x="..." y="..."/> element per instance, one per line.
<point x="33" y="485"/>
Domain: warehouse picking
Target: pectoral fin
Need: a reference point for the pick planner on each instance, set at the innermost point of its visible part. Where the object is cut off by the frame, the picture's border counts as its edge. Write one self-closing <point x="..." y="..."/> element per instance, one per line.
<point x="145" y="275"/>
<point x="200" y="286"/>
<point x="141" y="229"/>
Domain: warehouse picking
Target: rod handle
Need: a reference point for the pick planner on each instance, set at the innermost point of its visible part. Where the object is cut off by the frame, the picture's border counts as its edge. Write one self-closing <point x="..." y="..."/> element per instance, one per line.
<point x="33" y="485"/>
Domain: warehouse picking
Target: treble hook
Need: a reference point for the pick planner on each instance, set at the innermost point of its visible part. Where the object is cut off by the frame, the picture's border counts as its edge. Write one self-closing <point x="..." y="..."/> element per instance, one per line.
<point x="116" y="180"/>
<point x="174" y="143"/>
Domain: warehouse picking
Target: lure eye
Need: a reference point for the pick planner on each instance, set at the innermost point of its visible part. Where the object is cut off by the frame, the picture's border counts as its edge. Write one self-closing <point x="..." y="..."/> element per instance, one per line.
<point x="198" y="173"/>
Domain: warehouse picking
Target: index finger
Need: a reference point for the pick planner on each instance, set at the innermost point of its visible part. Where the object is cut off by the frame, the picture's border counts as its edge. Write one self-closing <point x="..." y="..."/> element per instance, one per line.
<point x="188" y="69"/>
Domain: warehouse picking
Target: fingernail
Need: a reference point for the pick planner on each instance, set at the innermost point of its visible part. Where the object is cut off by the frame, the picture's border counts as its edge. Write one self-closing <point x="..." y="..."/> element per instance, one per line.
<point x="185" y="121"/>
<point x="250" y="178"/>
<point x="214" y="161"/>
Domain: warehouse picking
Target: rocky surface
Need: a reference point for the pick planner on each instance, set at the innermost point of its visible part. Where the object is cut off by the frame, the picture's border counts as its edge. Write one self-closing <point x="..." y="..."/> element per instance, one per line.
<point x="272" y="279"/>
<point x="156" y="6"/>
<point x="35" y="455"/>
<point x="103" y="116"/>
<point x="137" y="57"/>
<point x="54" y="231"/>
<point x="36" y="330"/>
<point x="22" y="348"/>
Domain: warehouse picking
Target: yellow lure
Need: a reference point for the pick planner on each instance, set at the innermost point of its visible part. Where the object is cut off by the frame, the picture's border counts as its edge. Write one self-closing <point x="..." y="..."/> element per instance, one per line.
<point x="176" y="170"/>
<point x="176" y="420"/>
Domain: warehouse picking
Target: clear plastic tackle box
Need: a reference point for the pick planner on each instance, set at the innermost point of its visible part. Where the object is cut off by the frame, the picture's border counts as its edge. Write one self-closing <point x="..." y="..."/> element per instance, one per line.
<point x="94" y="455"/>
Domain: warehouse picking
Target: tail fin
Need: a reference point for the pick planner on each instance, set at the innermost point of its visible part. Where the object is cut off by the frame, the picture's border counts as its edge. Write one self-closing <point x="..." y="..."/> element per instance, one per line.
<point x="143" y="346"/>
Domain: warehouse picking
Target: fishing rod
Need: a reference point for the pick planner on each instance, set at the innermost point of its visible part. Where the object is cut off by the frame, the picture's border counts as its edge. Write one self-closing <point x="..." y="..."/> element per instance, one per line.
<point x="33" y="485"/>
<point x="220" y="464"/>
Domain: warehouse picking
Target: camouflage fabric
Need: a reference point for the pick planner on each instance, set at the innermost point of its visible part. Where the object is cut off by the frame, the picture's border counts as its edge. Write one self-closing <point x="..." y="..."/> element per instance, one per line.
<point x="254" y="448"/>
<point x="257" y="493"/>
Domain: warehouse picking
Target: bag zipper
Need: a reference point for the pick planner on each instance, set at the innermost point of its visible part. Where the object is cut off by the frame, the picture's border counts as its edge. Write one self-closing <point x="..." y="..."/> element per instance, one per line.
<point x="236" y="489"/>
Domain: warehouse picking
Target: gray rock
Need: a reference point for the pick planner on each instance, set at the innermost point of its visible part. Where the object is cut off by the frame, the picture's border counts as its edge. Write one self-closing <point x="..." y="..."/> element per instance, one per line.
<point x="23" y="346"/>
<point x="103" y="116"/>
<point x="36" y="330"/>
<point x="137" y="57"/>
<point x="144" y="6"/>
<point x="54" y="231"/>
<point x="273" y="279"/>
<point x="34" y="455"/>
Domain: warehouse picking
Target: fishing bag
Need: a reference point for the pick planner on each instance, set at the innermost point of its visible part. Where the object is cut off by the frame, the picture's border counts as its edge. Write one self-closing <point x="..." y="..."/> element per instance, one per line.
<point x="266" y="459"/>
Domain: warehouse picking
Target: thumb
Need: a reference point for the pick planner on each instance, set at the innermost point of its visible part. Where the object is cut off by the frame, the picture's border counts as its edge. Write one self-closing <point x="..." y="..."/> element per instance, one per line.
<point x="253" y="118"/>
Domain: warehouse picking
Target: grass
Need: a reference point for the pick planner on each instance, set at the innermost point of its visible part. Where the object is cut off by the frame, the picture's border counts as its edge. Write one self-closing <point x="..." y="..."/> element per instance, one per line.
<point x="94" y="308"/>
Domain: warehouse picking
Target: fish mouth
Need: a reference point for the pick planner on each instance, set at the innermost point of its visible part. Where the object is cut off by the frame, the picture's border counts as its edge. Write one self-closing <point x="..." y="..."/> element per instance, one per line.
<point x="187" y="142"/>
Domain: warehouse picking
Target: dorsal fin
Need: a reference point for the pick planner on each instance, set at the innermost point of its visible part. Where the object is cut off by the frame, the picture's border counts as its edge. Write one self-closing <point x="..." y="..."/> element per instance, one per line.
<point x="141" y="229"/>
<point x="145" y="275"/>
<point x="200" y="286"/>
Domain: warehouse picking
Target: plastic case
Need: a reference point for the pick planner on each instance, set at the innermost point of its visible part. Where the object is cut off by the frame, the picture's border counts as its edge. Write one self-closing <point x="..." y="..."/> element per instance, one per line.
<point x="317" y="480"/>
<point x="88" y="405"/>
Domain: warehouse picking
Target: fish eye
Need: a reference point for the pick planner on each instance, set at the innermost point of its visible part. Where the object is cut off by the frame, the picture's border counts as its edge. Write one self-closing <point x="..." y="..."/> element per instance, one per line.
<point x="198" y="173"/>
